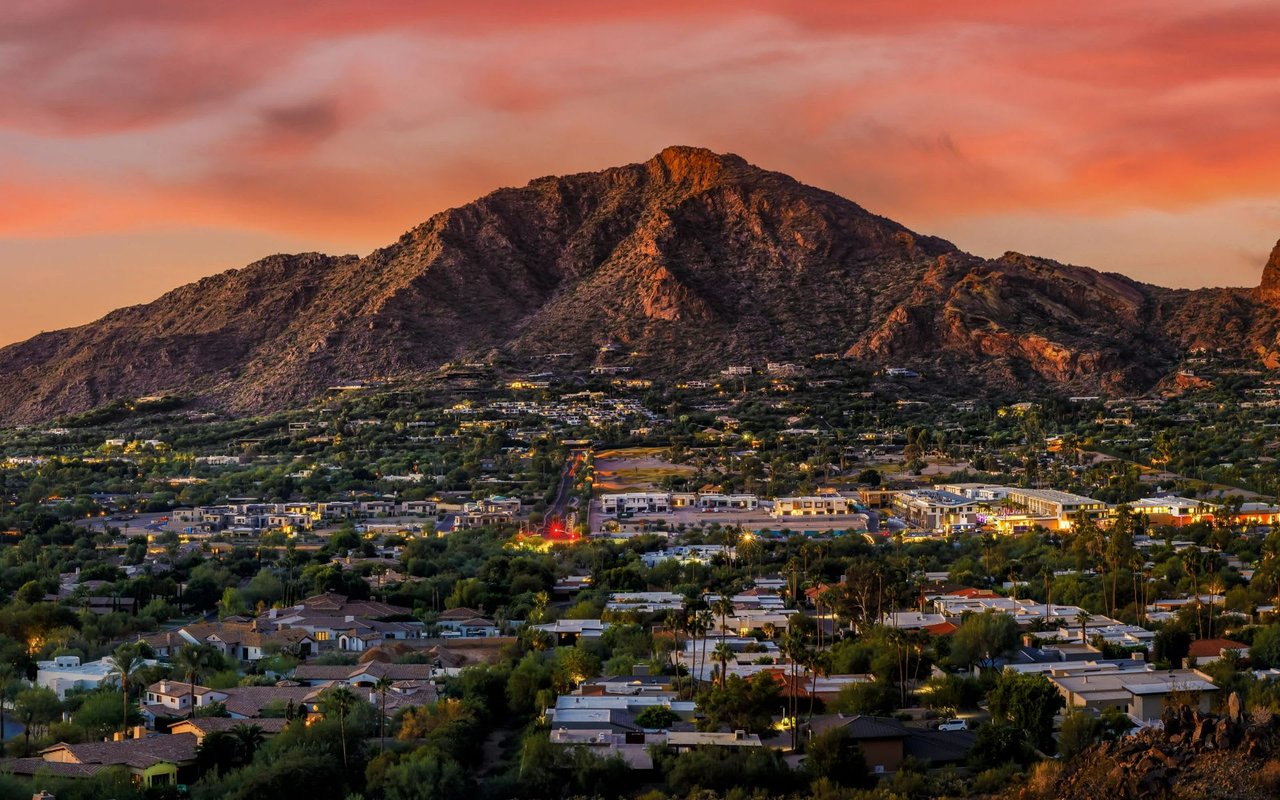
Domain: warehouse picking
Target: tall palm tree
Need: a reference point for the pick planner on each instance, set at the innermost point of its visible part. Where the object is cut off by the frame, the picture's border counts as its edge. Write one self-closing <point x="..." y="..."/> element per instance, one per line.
<point x="793" y="647"/>
<point x="706" y="621"/>
<point x="674" y="624"/>
<point x="820" y="663"/>
<point x="125" y="663"/>
<point x="724" y="607"/>
<point x="723" y="653"/>
<point x="1084" y="618"/>
<point x="1215" y="588"/>
<point x="190" y="661"/>
<point x="382" y="686"/>
<point x="342" y="700"/>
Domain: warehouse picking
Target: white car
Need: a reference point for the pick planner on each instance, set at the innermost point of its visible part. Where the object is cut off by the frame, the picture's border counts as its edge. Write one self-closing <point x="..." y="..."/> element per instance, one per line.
<point x="953" y="725"/>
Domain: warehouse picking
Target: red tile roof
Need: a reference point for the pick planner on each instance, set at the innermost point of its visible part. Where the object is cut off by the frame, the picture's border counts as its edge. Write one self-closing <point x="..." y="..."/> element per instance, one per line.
<point x="1212" y="648"/>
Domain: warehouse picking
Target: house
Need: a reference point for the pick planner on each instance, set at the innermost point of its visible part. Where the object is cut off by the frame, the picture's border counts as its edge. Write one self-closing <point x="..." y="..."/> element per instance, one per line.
<point x="352" y="625"/>
<point x="1176" y="511"/>
<point x="628" y="685"/>
<point x="152" y="761"/>
<point x="886" y="742"/>
<point x="466" y="623"/>
<point x="66" y="673"/>
<point x="569" y="631"/>
<point x="645" y="602"/>
<point x="164" y="644"/>
<point x="201" y="727"/>
<point x="1206" y="651"/>
<point x="363" y="675"/>
<point x="246" y="640"/>
<point x="1142" y="693"/>
<point x="174" y="698"/>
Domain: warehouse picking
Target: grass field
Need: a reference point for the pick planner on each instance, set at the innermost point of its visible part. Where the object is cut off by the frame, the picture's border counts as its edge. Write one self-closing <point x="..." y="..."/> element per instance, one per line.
<point x="633" y="468"/>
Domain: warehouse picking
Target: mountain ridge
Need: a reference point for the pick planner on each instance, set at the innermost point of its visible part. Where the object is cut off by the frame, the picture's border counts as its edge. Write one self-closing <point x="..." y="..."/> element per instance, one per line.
<point x="688" y="247"/>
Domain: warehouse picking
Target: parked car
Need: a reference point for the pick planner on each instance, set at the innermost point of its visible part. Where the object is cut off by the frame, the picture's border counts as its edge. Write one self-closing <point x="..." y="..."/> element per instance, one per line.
<point x="953" y="725"/>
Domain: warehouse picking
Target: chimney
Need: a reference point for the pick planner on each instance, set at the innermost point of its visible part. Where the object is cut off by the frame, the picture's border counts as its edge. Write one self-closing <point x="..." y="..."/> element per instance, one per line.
<point x="118" y="736"/>
<point x="139" y="732"/>
<point x="164" y="687"/>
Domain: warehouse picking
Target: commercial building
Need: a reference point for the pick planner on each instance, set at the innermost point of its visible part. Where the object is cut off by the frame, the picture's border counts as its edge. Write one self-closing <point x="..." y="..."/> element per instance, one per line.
<point x="1067" y="508"/>
<point x="935" y="510"/>
<point x="812" y="506"/>
<point x="636" y="503"/>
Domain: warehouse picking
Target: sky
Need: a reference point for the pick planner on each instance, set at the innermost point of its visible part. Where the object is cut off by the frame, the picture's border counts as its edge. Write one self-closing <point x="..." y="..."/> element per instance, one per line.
<point x="146" y="143"/>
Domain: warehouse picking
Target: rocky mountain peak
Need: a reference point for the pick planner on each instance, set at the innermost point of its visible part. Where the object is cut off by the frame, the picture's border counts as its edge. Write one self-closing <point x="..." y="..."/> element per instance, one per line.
<point x="1270" y="286"/>
<point x="691" y="246"/>
<point x="697" y="167"/>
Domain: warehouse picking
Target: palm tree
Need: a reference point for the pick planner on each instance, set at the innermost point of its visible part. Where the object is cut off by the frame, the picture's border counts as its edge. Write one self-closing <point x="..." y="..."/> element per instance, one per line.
<point x="248" y="738"/>
<point x="723" y="607"/>
<point x="723" y="653"/>
<point x="674" y="624"/>
<point x="1084" y="617"/>
<point x="1215" y="588"/>
<point x="820" y="664"/>
<point x="382" y="686"/>
<point x="793" y="647"/>
<point x="125" y="663"/>
<point x="706" y="621"/>
<point x="190" y="661"/>
<point x="342" y="700"/>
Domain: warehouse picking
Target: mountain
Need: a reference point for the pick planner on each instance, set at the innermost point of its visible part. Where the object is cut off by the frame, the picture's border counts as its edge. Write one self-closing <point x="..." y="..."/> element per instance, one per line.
<point x="692" y="260"/>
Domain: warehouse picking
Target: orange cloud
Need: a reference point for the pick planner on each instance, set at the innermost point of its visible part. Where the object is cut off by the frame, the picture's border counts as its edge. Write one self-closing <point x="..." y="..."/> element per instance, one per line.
<point x="345" y="123"/>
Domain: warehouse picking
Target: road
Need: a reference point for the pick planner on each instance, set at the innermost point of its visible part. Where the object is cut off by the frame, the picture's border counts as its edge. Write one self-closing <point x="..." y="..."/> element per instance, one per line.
<point x="564" y="490"/>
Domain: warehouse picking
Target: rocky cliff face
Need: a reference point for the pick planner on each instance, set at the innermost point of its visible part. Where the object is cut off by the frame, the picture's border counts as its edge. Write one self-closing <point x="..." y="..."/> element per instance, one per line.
<point x="691" y="259"/>
<point x="1193" y="756"/>
<point x="1269" y="289"/>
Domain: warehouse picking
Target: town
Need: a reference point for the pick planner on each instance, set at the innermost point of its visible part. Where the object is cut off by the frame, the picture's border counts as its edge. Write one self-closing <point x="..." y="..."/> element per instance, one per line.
<point x="804" y="575"/>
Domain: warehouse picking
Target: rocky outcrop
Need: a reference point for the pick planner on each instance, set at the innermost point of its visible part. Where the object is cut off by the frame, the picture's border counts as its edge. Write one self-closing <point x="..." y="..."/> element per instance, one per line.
<point x="688" y="248"/>
<point x="1269" y="289"/>
<point x="1193" y="755"/>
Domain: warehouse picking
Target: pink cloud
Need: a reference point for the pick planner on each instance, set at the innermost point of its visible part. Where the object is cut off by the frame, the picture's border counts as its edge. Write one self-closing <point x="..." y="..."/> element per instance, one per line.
<point x="351" y="121"/>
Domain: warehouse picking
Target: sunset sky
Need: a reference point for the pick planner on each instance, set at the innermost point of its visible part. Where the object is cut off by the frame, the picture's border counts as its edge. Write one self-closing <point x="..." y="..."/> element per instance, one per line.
<point x="145" y="144"/>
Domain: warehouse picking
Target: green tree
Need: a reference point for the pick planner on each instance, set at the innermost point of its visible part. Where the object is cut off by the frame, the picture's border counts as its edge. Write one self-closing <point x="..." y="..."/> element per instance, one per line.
<point x="8" y="674"/>
<point x="422" y="775"/>
<point x="983" y="638"/>
<point x="99" y="714"/>
<point x="741" y="704"/>
<point x="1028" y="703"/>
<point x="657" y="717"/>
<point x="1265" y="652"/>
<point x="836" y="756"/>
<point x="34" y="708"/>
